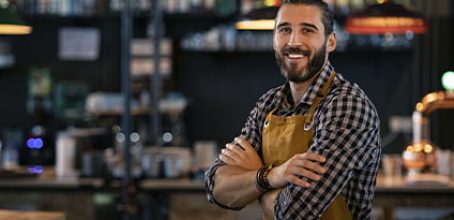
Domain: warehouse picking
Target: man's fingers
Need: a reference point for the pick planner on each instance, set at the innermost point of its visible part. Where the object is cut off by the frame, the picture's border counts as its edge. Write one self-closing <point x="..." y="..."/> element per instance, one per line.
<point x="306" y="164"/>
<point x="244" y="144"/>
<point x="312" y="156"/>
<point x="306" y="173"/>
<point x="232" y="154"/>
<point x="235" y="148"/>
<point x="298" y="181"/>
<point x="226" y="159"/>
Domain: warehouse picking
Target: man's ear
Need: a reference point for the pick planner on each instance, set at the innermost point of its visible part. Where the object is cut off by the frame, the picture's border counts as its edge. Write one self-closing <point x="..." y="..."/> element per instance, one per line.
<point x="331" y="42"/>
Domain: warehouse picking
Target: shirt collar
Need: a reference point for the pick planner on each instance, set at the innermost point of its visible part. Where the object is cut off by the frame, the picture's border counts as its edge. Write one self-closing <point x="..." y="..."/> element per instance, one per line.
<point x="317" y="84"/>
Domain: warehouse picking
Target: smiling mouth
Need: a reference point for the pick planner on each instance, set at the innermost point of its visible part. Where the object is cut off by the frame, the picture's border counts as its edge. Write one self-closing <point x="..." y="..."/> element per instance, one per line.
<point x="296" y="54"/>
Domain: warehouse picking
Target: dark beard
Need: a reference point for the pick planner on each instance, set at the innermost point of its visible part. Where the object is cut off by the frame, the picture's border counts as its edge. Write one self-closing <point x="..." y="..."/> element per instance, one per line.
<point x="313" y="67"/>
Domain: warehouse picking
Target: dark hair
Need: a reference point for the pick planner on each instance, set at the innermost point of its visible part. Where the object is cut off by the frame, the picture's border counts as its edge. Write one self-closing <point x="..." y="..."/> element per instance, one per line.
<point x="327" y="19"/>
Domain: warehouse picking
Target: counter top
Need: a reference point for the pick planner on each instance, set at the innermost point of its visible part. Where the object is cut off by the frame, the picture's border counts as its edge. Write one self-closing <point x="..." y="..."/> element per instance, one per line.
<point x="51" y="183"/>
<point x="384" y="184"/>
<point x="172" y="185"/>
<point x="31" y="215"/>
<point x="417" y="184"/>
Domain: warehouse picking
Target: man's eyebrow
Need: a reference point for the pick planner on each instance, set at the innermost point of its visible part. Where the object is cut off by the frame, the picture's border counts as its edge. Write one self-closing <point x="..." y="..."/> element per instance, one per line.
<point x="302" y="24"/>
<point x="282" y="24"/>
<point x="310" y="25"/>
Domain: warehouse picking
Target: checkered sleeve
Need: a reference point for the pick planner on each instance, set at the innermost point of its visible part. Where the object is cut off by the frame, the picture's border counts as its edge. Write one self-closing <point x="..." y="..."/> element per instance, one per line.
<point x="347" y="133"/>
<point x="251" y="131"/>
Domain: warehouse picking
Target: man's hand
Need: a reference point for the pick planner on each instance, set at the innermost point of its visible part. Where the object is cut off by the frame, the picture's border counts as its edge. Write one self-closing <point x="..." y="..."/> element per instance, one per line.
<point x="305" y="164"/>
<point x="241" y="154"/>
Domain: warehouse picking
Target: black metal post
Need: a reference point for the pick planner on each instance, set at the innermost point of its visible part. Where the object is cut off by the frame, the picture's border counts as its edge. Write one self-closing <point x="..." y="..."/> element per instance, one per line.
<point x="126" y="31"/>
<point x="155" y="79"/>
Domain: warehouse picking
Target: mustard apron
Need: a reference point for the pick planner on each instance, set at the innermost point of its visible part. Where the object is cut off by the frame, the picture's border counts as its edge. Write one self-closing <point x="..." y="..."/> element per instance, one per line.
<point x="284" y="137"/>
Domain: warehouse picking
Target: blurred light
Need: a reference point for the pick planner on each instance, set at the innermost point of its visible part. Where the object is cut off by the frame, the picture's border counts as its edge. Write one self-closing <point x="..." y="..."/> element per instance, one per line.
<point x="135" y="137"/>
<point x="120" y="137"/>
<point x="418" y="147"/>
<point x="35" y="169"/>
<point x="386" y="17"/>
<point x="103" y="199"/>
<point x="258" y="19"/>
<point x="255" y="25"/>
<point x="35" y="143"/>
<point x="431" y="97"/>
<point x="410" y="35"/>
<point x="428" y="148"/>
<point x="410" y="148"/>
<point x="37" y="130"/>
<point x="447" y="80"/>
<point x="11" y="23"/>
<point x="419" y="107"/>
<point x="270" y="2"/>
<point x="167" y="137"/>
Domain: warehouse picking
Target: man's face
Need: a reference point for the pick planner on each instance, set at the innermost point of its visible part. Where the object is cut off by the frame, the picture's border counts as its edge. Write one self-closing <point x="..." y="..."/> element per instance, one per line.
<point x="299" y="42"/>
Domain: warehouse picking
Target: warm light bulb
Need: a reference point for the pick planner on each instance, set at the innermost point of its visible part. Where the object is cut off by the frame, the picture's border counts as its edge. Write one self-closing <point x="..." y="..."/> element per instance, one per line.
<point x="410" y="148"/>
<point x="428" y="148"/>
<point x="419" y="107"/>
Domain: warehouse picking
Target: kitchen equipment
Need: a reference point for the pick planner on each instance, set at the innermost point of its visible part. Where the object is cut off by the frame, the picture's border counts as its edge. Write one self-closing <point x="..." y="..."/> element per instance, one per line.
<point x="152" y="162"/>
<point x="419" y="157"/>
<point x="205" y="153"/>
<point x="174" y="162"/>
<point x="66" y="154"/>
<point x="93" y="164"/>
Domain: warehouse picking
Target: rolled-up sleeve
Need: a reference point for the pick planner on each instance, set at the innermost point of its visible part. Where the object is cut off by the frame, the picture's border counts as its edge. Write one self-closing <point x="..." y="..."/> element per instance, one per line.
<point x="251" y="131"/>
<point x="209" y="181"/>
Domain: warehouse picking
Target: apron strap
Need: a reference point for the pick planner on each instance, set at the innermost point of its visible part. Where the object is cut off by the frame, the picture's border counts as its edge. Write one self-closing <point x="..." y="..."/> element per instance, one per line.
<point x="318" y="99"/>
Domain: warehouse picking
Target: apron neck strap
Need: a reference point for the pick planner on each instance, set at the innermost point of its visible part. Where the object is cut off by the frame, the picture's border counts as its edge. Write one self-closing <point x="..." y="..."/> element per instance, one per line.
<point x="318" y="99"/>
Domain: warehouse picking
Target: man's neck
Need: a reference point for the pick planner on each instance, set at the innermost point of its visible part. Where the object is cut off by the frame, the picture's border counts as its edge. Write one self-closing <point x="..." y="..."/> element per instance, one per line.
<point x="298" y="90"/>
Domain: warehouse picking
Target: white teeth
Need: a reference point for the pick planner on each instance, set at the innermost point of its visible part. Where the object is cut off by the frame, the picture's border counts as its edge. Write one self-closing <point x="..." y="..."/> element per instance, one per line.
<point x="295" y="56"/>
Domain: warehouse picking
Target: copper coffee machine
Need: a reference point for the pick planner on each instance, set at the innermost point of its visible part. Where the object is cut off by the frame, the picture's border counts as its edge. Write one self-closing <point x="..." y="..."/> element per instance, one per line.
<point x="419" y="157"/>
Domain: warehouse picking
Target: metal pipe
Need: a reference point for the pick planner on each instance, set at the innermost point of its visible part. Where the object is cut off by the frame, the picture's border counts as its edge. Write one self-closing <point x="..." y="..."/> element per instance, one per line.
<point x="428" y="104"/>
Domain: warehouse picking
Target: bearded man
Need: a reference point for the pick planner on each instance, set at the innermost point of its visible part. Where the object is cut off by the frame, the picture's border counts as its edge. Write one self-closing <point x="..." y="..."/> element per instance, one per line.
<point x="310" y="149"/>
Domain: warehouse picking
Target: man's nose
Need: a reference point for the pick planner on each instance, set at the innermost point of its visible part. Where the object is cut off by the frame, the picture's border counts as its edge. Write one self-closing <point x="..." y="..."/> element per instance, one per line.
<point x="295" y="39"/>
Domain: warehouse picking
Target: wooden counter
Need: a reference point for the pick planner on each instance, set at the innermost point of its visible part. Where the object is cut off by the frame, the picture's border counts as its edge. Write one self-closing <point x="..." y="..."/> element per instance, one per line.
<point x="391" y="193"/>
<point x="401" y="192"/>
<point x="31" y="215"/>
<point x="174" y="194"/>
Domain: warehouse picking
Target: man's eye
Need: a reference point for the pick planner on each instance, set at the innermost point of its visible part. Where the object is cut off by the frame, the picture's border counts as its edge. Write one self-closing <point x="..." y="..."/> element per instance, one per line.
<point x="307" y="30"/>
<point x="285" y="30"/>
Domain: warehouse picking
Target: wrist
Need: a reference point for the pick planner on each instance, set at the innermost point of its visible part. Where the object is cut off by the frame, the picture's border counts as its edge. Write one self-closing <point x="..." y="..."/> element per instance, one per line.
<point x="262" y="179"/>
<point x="272" y="178"/>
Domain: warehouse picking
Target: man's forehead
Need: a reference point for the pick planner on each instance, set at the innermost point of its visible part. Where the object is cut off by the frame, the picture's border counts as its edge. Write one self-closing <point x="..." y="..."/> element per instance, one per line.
<point x="300" y="13"/>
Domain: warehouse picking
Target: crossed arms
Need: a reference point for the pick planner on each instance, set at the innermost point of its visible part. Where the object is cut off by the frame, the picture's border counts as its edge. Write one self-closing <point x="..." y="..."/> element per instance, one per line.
<point x="236" y="181"/>
<point x="307" y="183"/>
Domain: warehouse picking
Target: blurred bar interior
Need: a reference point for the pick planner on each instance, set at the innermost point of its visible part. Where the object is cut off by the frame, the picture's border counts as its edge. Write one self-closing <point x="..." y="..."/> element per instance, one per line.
<point x="62" y="143"/>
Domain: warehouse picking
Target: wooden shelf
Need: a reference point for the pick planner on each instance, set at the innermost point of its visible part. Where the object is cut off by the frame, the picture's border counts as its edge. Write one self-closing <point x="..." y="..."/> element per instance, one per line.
<point x="141" y="111"/>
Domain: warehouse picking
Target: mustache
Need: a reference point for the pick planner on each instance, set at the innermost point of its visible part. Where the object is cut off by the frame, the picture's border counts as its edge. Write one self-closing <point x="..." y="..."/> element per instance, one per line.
<point x="295" y="50"/>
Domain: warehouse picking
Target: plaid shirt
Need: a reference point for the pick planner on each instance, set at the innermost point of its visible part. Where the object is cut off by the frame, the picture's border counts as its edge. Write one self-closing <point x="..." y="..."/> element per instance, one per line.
<point x="346" y="132"/>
